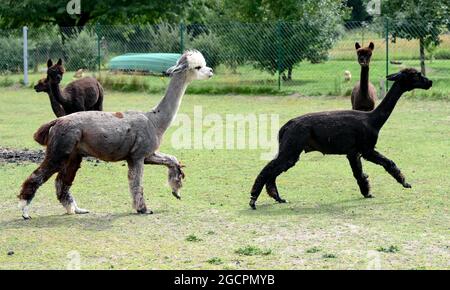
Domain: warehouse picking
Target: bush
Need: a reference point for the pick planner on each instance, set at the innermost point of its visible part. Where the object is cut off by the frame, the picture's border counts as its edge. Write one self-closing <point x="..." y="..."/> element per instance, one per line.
<point x="11" y="54"/>
<point x="164" y="38"/>
<point x="209" y="45"/>
<point x="81" y="51"/>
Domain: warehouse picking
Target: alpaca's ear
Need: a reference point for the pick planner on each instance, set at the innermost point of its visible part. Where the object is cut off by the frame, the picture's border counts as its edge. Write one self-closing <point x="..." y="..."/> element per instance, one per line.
<point x="59" y="62"/>
<point x="49" y="63"/>
<point x="371" y="46"/>
<point x="394" y="77"/>
<point x="176" y="68"/>
<point x="357" y="46"/>
<point x="182" y="65"/>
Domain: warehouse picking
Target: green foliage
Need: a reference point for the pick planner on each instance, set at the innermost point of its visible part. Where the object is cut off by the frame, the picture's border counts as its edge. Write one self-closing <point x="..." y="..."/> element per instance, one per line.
<point x="210" y="46"/>
<point x="11" y="53"/>
<point x="193" y="238"/>
<point x="253" y="251"/>
<point x="163" y="38"/>
<point x="425" y="20"/>
<point x="278" y="46"/>
<point x="329" y="256"/>
<point x="81" y="51"/>
<point x="359" y="12"/>
<point x="32" y="12"/>
<point x="215" y="261"/>
<point x="313" y="250"/>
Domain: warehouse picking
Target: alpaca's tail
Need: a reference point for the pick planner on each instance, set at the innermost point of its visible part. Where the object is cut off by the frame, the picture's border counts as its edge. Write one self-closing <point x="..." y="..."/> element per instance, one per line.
<point x="41" y="135"/>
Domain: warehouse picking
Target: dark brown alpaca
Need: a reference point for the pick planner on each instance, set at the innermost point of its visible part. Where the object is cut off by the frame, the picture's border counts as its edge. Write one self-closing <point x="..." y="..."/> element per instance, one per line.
<point x="364" y="93"/>
<point x="85" y="94"/>
<point x="350" y="132"/>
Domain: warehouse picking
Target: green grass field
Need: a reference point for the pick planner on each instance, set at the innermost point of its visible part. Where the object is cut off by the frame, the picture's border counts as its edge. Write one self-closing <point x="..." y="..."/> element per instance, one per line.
<point x="326" y="224"/>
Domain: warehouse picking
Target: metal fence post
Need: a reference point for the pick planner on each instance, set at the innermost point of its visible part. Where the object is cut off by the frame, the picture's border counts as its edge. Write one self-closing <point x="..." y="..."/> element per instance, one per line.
<point x="279" y="52"/>
<point x="99" y="58"/>
<point x="386" y="23"/>
<point x="25" y="55"/>
<point x="181" y="37"/>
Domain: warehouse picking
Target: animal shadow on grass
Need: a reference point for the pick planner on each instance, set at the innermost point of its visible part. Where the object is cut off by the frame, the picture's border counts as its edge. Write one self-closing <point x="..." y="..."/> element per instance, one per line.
<point x="340" y="207"/>
<point x="89" y="222"/>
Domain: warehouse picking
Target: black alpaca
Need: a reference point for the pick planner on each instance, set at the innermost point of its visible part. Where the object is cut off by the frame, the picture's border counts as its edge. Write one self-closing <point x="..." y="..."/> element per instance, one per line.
<point x="352" y="133"/>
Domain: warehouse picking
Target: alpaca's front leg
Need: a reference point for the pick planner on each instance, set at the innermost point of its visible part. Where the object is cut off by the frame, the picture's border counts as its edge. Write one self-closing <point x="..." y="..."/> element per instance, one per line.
<point x="176" y="174"/>
<point x="135" y="174"/>
<point x="389" y="166"/>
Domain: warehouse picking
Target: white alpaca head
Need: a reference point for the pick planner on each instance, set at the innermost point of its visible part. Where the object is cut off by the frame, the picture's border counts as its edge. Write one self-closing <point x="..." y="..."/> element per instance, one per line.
<point x="193" y="64"/>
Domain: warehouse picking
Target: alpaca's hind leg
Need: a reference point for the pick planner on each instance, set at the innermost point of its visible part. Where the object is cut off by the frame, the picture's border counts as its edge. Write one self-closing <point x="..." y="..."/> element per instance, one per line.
<point x="389" y="166"/>
<point x="63" y="183"/>
<point x="135" y="174"/>
<point x="32" y="183"/>
<point x="361" y="178"/>
<point x="270" y="172"/>
<point x="272" y="190"/>
<point x="175" y="175"/>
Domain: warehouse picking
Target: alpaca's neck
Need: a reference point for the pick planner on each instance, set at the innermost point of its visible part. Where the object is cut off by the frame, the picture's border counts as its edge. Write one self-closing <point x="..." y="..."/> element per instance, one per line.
<point x="364" y="82"/>
<point x="168" y="107"/>
<point x="57" y="101"/>
<point x="381" y="113"/>
<point x="57" y="109"/>
<point x="55" y="92"/>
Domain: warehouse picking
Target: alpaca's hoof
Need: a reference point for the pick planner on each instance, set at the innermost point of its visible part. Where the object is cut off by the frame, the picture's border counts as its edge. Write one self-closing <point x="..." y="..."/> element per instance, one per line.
<point x="406" y="185"/>
<point x="280" y="200"/>
<point x="26" y="217"/>
<point x="252" y="204"/>
<point x="144" y="211"/>
<point x="177" y="196"/>
<point x="81" y="211"/>
<point x="369" y="196"/>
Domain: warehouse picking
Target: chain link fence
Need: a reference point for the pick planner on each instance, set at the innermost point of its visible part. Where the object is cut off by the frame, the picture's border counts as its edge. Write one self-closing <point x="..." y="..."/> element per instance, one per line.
<point x="304" y="57"/>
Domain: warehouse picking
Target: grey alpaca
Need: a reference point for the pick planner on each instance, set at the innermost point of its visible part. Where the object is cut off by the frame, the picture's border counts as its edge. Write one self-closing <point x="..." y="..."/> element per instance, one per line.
<point x="131" y="136"/>
<point x="85" y="94"/>
<point x="364" y="93"/>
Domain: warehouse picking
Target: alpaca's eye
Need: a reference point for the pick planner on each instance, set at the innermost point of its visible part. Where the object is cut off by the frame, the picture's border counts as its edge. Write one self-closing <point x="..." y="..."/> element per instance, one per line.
<point x="198" y="67"/>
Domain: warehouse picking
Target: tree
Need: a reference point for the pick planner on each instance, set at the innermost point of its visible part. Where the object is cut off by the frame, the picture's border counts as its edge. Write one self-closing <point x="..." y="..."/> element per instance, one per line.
<point x="359" y="12"/>
<point x="424" y="20"/>
<point x="38" y="13"/>
<point x="285" y="33"/>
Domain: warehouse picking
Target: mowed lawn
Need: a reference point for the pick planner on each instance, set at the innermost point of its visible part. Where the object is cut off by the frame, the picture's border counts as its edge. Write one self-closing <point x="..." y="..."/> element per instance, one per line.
<point x="326" y="224"/>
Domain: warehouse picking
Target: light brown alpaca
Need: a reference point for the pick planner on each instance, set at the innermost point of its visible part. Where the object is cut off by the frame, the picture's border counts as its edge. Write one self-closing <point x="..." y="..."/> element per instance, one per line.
<point x="131" y="136"/>
<point x="364" y="93"/>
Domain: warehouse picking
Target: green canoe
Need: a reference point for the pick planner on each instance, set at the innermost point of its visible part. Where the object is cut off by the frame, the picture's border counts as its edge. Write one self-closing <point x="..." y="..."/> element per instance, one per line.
<point x="156" y="63"/>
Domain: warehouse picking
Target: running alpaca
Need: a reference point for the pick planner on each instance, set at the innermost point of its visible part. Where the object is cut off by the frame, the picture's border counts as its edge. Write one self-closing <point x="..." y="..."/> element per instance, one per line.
<point x="364" y="93"/>
<point x="85" y="94"/>
<point x="131" y="136"/>
<point x="352" y="133"/>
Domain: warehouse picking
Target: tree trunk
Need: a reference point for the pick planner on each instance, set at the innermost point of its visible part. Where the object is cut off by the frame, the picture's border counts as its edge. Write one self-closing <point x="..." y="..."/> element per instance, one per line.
<point x="289" y="77"/>
<point x="422" y="57"/>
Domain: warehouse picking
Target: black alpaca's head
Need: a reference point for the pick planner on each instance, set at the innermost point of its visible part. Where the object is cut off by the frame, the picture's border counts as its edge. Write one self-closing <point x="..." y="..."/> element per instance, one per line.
<point x="410" y="79"/>
<point x="364" y="53"/>
<point x="42" y="86"/>
<point x="55" y="71"/>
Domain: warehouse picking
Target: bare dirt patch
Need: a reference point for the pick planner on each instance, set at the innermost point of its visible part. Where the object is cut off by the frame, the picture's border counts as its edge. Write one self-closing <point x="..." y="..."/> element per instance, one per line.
<point x="17" y="156"/>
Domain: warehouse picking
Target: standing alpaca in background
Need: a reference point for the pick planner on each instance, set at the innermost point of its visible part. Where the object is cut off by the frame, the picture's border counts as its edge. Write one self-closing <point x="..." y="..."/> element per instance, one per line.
<point x="349" y="132"/>
<point x="131" y="136"/>
<point x="85" y="94"/>
<point x="364" y="93"/>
